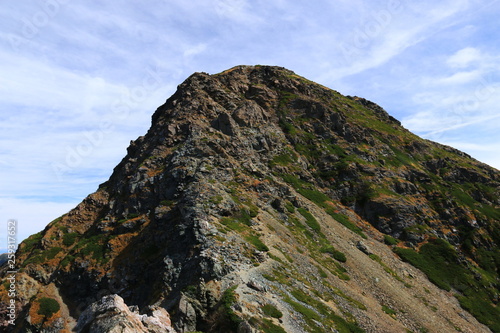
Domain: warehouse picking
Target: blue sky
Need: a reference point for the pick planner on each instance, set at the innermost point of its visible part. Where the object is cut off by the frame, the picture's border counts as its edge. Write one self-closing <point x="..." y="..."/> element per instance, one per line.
<point x="80" y="79"/>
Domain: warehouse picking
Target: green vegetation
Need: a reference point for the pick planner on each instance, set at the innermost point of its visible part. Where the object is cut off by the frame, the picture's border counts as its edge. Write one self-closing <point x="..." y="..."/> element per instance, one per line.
<point x="463" y="196"/>
<point x="69" y="239"/>
<point x="63" y="228"/>
<point x="310" y="219"/>
<point x="252" y="210"/>
<point x="31" y="241"/>
<point x="340" y="271"/>
<point x="289" y="207"/>
<point x="52" y="252"/>
<point x="309" y="314"/>
<point x="399" y="159"/>
<point x="489" y="260"/>
<point x="287" y="127"/>
<point x="367" y="117"/>
<point x="336" y="150"/>
<point x="191" y="290"/>
<point x="388" y="310"/>
<point x="67" y="260"/>
<point x="96" y="249"/>
<point x="94" y="245"/>
<point x="365" y="192"/>
<point x="241" y="220"/>
<point x="479" y="305"/>
<point x="233" y="224"/>
<point x="285" y="98"/>
<point x="128" y="217"/>
<point x="216" y="199"/>
<point x="322" y="273"/>
<point x="271" y="311"/>
<point x="285" y="254"/>
<point x="283" y="159"/>
<point x="168" y="203"/>
<point x="306" y="189"/>
<point x="228" y="300"/>
<point x="269" y="277"/>
<point x="389" y="240"/>
<point x="275" y="258"/>
<point x="321" y="200"/>
<point x="38" y="256"/>
<point x="255" y="241"/>
<point x="265" y="325"/>
<point x="337" y="255"/>
<point x="48" y="307"/>
<point x="490" y="212"/>
<point x="317" y="312"/>
<point x="418" y="229"/>
<point x="317" y="244"/>
<point x="440" y="262"/>
<point x="344" y="220"/>
<point x="310" y="150"/>
<point x="269" y="327"/>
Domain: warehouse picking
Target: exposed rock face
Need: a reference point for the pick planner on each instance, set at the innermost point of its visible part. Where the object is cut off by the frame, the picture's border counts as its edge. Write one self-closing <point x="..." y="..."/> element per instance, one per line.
<point x="261" y="201"/>
<point x="111" y="314"/>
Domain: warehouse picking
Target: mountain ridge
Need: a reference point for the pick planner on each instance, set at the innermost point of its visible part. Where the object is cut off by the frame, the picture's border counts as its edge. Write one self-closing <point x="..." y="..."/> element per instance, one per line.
<point x="246" y="207"/>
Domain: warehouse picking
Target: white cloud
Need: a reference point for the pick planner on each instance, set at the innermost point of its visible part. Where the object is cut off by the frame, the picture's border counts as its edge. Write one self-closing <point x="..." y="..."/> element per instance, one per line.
<point x="32" y="215"/>
<point x="453" y="124"/>
<point x="441" y="111"/>
<point x="461" y="103"/>
<point x="234" y="10"/>
<point x="460" y="78"/>
<point x="33" y="83"/>
<point x="194" y="50"/>
<point x="387" y="33"/>
<point x="113" y="64"/>
<point x="465" y="57"/>
<point x="475" y="146"/>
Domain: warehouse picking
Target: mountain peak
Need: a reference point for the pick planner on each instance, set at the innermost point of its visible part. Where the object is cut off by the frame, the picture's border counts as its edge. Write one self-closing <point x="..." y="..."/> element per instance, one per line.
<point x="262" y="201"/>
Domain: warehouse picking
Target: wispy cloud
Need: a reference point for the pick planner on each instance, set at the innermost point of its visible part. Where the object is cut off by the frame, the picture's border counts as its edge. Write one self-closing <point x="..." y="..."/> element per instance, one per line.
<point x="80" y="80"/>
<point x="460" y="78"/>
<point x="465" y="57"/>
<point x="32" y="215"/>
<point x="388" y="31"/>
<point x="52" y="87"/>
<point x="460" y="99"/>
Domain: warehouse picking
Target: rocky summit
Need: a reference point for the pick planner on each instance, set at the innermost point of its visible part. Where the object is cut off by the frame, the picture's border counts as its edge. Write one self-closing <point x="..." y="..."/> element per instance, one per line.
<point x="260" y="201"/>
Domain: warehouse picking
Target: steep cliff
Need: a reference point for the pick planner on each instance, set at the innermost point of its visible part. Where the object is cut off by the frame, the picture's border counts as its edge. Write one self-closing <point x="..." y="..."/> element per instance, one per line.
<point x="260" y="201"/>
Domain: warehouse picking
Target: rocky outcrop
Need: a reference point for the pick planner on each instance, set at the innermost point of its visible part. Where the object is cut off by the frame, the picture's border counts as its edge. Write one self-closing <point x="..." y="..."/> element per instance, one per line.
<point x="252" y="199"/>
<point x="112" y="315"/>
